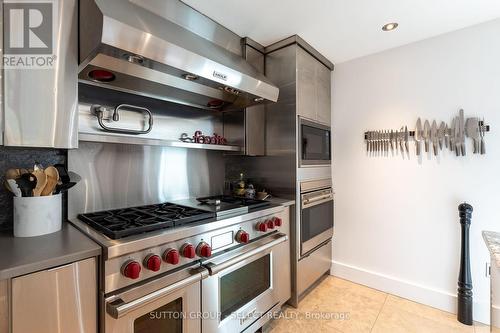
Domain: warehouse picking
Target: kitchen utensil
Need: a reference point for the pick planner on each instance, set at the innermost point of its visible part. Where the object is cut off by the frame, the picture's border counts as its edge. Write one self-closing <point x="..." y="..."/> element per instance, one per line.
<point x="456" y="135"/>
<point x="41" y="182"/>
<point x="38" y="166"/>
<point x="12" y="174"/>
<point x="61" y="188"/>
<point x="472" y="131"/>
<point x="446" y="136"/>
<point x="462" y="131"/>
<point x="482" y="132"/>
<point x="434" y="137"/>
<point x="74" y="177"/>
<point x="426" y="135"/>
<point x="63" y="173"/>
<point x="401" y="137"/>
<point x="52" y="180"/>
<point x="391" y="139"/>
<point x="418" y="136"/>
<point x="407" y="136"/>
<point x="12" y="186"/>
<point x="441" y="134"/>
<point x="26" y="183"/>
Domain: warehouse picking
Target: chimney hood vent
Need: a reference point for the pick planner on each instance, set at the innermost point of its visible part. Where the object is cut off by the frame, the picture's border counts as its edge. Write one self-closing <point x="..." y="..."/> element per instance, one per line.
<point x="126" y="47"/>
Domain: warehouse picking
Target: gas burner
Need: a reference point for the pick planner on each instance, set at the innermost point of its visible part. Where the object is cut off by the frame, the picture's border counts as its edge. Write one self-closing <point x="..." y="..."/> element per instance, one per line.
<point x="125" y="222"/>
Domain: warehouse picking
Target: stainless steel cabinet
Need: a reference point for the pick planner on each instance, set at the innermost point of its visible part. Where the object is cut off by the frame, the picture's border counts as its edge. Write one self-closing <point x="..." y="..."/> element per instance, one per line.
<point x="58" y="300"/>
<point x="313" y="88"/>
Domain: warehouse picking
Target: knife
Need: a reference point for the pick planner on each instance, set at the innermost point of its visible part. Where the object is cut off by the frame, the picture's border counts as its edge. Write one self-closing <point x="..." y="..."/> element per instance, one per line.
<point x="441" y="133"/>
<point x="426" y="134"/>
<point x="407" y="146"/>
<point x="456" y="131"/>
<point x="418" y="135"/>
<point x="434" y="137"/>
<point x="462" y="132"/>
<point x="391" y="139"/>
<point x="401" y="135"/>
<point x="472" y="131"/>
<point x="482" y="131"/>
<point x="452" y="135"/>
<point x="446" y="136"/>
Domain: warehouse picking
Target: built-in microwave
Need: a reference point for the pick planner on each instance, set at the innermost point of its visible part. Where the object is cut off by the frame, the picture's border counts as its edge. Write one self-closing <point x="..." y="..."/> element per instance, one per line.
<point x="314" y="143"/>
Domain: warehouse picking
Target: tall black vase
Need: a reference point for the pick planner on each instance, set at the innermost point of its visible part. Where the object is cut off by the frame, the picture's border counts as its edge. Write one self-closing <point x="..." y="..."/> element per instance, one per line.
<point x="464" y="311"/>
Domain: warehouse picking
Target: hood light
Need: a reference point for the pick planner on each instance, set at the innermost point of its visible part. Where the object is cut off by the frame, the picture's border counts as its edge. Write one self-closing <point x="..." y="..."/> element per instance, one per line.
<point x="258" y="99"/>
<point x="190" y="77"/>
<point x="134" y="59"/>
<point x="100" y="75"/>
<point x="390" y="26"/>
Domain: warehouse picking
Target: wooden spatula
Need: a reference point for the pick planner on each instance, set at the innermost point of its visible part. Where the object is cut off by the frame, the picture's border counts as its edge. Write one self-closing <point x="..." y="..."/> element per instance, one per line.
<point x="41" y="182"/>
<point x="52" y="179"/>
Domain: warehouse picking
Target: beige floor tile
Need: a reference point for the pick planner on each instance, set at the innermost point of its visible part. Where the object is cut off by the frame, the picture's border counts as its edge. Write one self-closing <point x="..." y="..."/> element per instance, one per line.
<point x="401" y="315"/>
<point x="481" y="328"/>
<point x="335" y="305"/>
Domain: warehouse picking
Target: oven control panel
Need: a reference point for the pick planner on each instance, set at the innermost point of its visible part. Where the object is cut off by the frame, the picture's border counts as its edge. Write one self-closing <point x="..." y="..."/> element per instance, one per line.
<point x="129" y="269"/>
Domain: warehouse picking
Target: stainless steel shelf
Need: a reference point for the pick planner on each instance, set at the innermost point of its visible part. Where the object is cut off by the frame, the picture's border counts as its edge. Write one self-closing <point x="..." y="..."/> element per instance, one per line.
<point x="153" y="142"/>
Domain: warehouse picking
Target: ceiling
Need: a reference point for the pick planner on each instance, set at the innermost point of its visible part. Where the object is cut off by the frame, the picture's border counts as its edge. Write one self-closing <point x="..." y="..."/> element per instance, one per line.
<point x="346" y="29"/>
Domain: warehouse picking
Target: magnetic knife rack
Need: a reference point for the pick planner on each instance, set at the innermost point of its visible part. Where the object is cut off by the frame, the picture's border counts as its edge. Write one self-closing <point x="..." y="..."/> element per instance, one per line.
<point x="411" y="134"/>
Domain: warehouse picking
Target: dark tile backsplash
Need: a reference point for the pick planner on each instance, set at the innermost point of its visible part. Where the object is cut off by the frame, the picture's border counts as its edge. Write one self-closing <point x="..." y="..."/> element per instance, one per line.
<point x="22" y="158"/>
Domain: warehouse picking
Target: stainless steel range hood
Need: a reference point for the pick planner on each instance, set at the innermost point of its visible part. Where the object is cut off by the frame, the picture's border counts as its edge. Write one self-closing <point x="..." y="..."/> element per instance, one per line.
<point x="127" y="46"/>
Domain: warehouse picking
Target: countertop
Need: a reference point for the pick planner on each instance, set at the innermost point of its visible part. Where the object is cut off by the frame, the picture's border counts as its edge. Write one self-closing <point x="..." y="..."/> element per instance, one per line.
<point x="280" y="201"/>
<point x="26" y="255"/>
<point x="492" y="240"/>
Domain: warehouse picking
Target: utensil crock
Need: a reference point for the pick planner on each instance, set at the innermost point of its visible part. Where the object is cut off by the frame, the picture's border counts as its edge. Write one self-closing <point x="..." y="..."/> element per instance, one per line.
<point x="36" y="216"/>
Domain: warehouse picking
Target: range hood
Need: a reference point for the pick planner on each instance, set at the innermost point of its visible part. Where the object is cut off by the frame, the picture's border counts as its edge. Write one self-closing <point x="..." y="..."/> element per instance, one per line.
<point x="126" y="46"/>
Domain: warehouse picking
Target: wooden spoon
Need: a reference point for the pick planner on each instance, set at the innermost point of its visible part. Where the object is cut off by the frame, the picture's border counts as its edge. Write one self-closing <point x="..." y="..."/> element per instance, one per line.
<point x="41" y="182"/>
<point x="52" y="179"/>
<point x="12" y="174"/>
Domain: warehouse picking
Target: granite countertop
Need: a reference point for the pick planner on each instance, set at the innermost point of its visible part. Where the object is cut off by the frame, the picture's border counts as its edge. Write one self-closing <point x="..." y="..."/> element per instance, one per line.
<point x="280" y="201"/>
<point x="30" y="254"/>
<point x="492" y="240"/>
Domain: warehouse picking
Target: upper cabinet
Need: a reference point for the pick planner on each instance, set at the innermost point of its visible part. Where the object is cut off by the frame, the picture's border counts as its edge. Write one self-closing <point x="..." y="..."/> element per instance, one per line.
<point x="313" y="88"/>
<point x="40" y="92"/>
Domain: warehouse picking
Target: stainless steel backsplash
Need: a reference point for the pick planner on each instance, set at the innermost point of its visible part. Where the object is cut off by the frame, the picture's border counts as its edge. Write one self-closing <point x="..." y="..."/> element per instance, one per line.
<point x="118" y="175"/>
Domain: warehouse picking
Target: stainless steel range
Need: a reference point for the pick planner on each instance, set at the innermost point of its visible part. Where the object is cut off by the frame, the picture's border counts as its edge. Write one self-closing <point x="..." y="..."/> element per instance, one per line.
<point x="167" y="266"/>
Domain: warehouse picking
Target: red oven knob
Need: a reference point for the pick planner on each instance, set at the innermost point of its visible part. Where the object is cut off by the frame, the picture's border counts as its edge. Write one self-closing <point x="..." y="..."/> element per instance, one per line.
<point x="204" y="250"/>
<point x="270" y="224"/>
<point x="242" y="237"/>
<point x="277" y="222"/>
<point x="171" y="256"/>
<point x="131" y="269"/>
<point x="188" y="251"/>
<point x="262" y="226"/>
<point x="152" y="262"/>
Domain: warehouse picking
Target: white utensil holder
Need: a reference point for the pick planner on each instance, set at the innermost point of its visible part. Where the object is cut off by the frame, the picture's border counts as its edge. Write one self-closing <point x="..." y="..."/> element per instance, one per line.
<point x="36" y="216"/>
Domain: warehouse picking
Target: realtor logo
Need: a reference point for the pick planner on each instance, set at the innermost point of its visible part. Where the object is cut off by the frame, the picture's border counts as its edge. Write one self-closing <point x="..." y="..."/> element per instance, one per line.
<point x="29" y="33"/>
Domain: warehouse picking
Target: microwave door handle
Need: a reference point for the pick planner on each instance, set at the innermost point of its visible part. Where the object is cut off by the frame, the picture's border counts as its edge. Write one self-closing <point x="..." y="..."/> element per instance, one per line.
<point x="216" y="268"/>
<point x="117" y="308"/>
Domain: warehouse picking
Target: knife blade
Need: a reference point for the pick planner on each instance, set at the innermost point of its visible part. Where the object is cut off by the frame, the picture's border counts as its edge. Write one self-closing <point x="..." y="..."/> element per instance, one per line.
<point x="446" y="136"/>
<point x="426" y="135"/>
<point x="456" y="131"/>
<point x="418" y="136"/>
<point x="401" y="137"/>
<point x="462" y="131"/>
<point x="407" y="136"/>
<point x="472" y="131"/>
<point x="441" y="133"/>
<point x="452" y="135"/>
<point x="434" y="137"/>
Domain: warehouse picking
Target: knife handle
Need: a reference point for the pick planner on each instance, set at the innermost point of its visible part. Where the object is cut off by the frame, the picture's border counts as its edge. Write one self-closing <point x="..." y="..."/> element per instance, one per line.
<point x="483" y="148"/>
<point x="426" y="146"/>
<point x="462" y="149"/>
<point x="417" y="146"/>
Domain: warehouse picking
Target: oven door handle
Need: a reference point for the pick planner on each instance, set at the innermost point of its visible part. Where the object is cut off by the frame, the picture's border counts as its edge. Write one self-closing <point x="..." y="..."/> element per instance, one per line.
<point x="306" y="203"/>
<point x="216" y="268"/>
<point x="118" y="308"/>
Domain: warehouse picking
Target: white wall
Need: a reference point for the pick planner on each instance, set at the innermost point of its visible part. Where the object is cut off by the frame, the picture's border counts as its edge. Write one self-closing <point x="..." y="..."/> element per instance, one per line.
<point x="396" y="220"/>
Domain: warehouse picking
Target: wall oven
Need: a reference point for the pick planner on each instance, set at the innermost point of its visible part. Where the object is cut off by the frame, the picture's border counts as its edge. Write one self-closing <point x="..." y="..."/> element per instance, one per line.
<point x="243" y="289"/>
<point x="168" y="304"/>
<point x="316" y="215"/>
<point x="314" y="143"/>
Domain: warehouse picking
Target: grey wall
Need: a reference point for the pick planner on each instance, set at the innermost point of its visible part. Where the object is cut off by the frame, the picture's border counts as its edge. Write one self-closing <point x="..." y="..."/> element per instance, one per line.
<point x="21" y="158"/>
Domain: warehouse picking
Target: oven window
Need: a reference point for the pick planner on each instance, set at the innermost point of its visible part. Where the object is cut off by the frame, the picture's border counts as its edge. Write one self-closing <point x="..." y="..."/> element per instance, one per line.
<point x="316" y="220"/>
<point x="244" y="284"/>
<point x="315" y="144"/>
<point x="167" y="318"/>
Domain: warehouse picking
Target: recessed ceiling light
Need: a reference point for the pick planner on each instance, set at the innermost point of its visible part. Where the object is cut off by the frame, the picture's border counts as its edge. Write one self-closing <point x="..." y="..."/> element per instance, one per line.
<point x="390" y="26"/>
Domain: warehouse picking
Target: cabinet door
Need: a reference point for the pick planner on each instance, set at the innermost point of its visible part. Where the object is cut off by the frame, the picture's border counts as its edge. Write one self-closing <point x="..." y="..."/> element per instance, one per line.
<point x="306" y="85"/>
<point x="59" y="300"/>
<point x="323" y="94"/>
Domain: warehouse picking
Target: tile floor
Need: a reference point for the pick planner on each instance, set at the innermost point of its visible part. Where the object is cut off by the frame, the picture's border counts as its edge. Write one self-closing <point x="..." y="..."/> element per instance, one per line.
<point x="340" y="306"/>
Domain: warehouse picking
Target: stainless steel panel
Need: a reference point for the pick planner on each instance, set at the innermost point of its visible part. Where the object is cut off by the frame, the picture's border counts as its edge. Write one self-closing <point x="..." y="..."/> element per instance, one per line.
<point x="63" y="299"/>
<point x="4" y="306"/>
<point x="297" y="40"/>
<point x="41" y="104"/>
<point x="312" y="267"/>
<point x="165" y="48"/>
<point x="117" y="175"/>
<point x="323" y="94"/>
<point x="194" y="21"/>
<point x="316" y="184"/>
<point x="2" y="127"/>
<point x="307" y="103"/>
